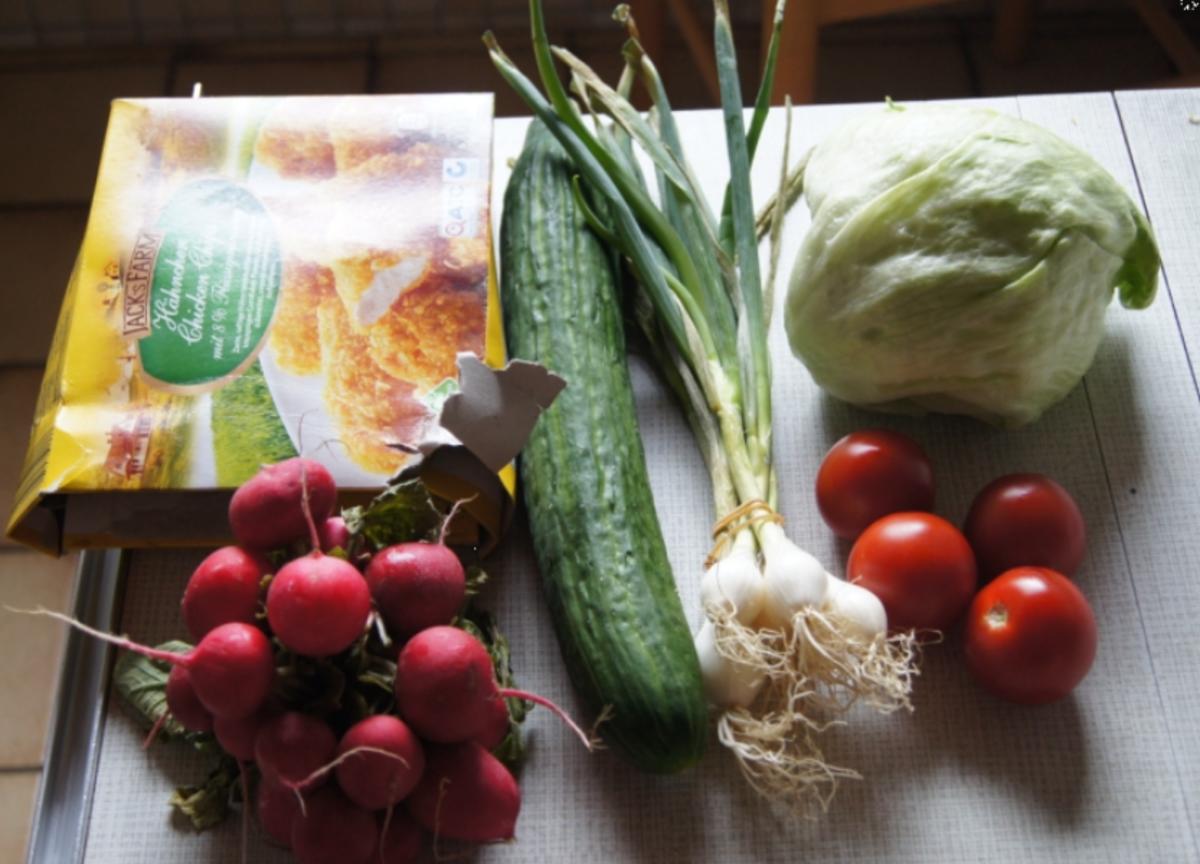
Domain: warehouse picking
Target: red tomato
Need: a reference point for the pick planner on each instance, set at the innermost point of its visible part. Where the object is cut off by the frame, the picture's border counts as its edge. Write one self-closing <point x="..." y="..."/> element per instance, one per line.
<point x="868" y="475"/>
<point x="919" y="566"/>
<point x="1025" y="520"/>
<point x="1030" y="636"/>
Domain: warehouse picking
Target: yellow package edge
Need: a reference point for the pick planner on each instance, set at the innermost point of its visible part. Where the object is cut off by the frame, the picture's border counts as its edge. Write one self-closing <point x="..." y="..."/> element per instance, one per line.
<point x="48" y="464"/>
<point x="60" y="465"/>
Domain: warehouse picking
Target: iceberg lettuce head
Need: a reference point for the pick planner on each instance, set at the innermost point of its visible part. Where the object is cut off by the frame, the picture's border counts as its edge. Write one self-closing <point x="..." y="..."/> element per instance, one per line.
<point x="960" y="260"/>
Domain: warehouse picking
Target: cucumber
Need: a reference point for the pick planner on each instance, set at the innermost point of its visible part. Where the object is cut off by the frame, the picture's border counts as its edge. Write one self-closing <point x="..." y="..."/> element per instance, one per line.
<point x="604" y="567"/>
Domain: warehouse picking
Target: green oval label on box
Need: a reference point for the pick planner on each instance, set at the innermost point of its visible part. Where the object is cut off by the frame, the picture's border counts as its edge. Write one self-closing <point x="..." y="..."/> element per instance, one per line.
<point x="214" y="284"/>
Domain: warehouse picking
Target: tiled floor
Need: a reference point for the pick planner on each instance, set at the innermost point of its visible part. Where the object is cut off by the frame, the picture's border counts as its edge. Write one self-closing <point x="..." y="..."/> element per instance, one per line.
<point x="17" y="789"/>
<point x="49" y="155"/>
<point x="30" y="646"/>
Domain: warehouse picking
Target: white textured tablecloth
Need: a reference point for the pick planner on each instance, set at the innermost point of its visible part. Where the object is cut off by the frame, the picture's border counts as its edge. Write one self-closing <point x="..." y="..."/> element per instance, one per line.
<point x="1111" y="774"/>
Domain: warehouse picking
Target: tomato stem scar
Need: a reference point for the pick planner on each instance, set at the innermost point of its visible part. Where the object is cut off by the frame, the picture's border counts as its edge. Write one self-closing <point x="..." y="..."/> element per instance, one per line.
<point x="997" y="616"/>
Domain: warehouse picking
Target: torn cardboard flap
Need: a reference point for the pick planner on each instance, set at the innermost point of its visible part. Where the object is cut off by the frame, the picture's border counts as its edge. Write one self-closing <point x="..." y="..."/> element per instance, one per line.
<point x="480" y="430"/>
<point x="495" y="409"/>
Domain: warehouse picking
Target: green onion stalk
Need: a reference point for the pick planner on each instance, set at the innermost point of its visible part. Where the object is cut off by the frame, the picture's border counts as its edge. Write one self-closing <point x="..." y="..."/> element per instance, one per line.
<point x="786" y="648"/>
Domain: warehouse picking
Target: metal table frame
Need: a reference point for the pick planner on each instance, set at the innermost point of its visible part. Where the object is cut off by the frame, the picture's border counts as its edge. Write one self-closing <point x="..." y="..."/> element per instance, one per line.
<point x="64" y="798"/>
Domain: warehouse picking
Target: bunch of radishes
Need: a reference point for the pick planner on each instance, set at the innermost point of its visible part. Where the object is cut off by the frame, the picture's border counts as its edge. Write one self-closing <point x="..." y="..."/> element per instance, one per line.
<point x="331" y="787"/>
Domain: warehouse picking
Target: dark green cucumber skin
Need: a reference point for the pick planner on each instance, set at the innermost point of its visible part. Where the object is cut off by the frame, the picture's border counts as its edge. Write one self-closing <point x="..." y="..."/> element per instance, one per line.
<point x="604" y="566"/>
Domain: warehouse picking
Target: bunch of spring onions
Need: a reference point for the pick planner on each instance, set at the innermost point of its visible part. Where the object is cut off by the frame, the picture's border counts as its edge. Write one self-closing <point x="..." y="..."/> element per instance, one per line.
<point x="786" y="647"/>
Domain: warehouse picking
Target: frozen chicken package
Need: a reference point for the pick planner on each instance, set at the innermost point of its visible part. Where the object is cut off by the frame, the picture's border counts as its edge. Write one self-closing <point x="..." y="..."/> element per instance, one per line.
<point x="261" y="278"/>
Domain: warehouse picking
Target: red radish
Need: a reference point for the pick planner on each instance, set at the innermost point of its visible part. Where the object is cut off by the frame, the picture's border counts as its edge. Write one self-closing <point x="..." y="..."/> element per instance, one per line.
<point x="224" y="588"/>
<point x="183" y="703"/>
<point x="231" y="669"/>
<point x="334" y="534"/>
<point x="293" y="748"/>
<point x="318" y="605"/>
<point x="497" y="728"/>
<point x="333" y="831"/>
<point x="268" y="510"/>
<point x="277" y="808"/>
<point x="444" y="682"/>
<point x="236" y="735"/>
<point x="467" y="794"/>
<point x="400" y="839"/>
<point x="374" y="780"/>
<point x="415" y="586"/>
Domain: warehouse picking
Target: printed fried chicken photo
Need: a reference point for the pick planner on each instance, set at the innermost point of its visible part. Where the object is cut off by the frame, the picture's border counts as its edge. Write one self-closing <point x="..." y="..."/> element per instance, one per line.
<point x="185" y="137"/>
<point x="295" y="142"/>
<point x="415" y="312"/>
<point x="371" y="408"/>
<point x="294" y="336"/>
<point x="426" y="328"/>
<point x="369" y="143"/>
<point x="464" y="259"/>
<point x="421" y="162"/>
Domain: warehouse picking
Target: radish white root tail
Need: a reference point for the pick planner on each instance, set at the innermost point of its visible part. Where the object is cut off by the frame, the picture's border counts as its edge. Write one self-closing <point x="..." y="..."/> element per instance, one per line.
<point x="459" y="503"/>
<point x="298" y="787"/>
<point x="120" y="641"/>
<point x="152" y="735"/>
<point x="590" y="741"/>
<point x="597" y="743"/>
<point x="459" y="850"/>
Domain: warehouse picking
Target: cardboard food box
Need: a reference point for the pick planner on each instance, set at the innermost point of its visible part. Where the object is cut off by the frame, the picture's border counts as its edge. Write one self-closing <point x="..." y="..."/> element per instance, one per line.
<point x="262" y="278"/>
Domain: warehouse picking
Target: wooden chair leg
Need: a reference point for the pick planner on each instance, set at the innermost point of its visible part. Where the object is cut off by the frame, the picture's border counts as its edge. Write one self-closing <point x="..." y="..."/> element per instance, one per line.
<point x="1014" y="21"/>
<point x="699" y="45"/>
<point x="1173" y="38"/>
<point x="651" y="17"/>
<point x="796" y="74"/>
